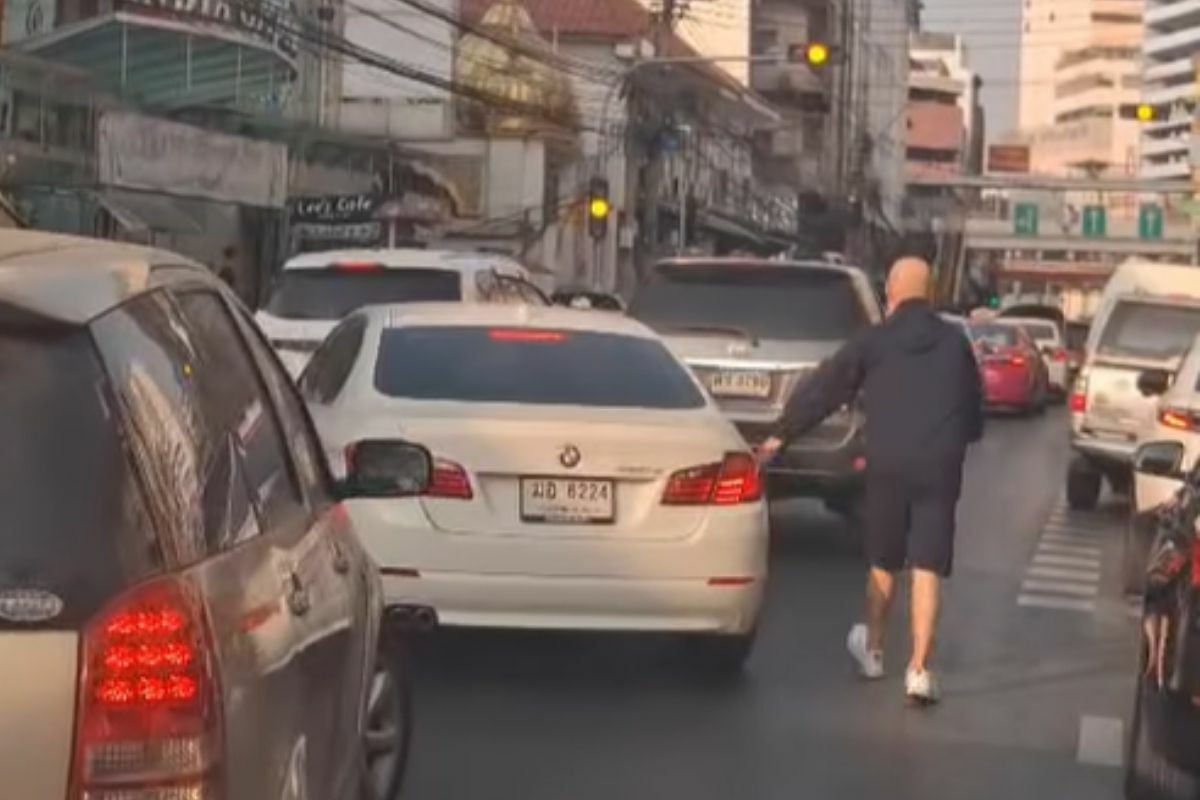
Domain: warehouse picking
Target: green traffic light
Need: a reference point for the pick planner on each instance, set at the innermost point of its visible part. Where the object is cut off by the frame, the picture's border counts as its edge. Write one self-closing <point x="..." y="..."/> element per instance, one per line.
<point x="993" y="301"/>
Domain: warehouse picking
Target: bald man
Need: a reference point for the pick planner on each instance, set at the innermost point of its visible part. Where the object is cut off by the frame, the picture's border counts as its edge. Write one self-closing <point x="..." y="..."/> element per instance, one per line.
<point x="923" y="401"/>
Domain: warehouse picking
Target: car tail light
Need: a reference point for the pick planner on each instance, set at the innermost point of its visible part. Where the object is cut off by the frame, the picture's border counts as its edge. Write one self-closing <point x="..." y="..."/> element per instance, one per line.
<point x="357" y="266"/>
<point x="1058" y="354"/>
<point x="450" y="481"/>
<point x="1078" y="401"/>
<point x="1177" y="419"/>
<point x="149" y="724"/>
<point x="734" y="480"/>
<point x="526" y="335"/>
<point x="1017" y="361"/>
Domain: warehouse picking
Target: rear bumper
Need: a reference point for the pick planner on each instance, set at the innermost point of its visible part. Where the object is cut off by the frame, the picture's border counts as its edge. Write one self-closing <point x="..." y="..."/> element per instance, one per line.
<point x="1105" y="452"/>
<point x="1006" y="392"/>
<point x="592" y="604"/>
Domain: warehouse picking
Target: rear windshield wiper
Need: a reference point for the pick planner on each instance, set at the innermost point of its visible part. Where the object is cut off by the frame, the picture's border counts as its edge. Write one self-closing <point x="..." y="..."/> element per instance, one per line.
<point x="714" y="330"/>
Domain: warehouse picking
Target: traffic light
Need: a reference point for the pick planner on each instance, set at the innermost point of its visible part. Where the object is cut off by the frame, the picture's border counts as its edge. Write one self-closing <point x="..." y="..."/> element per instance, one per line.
<point x="598" y="208"/>
<point x="1143" y="112"/>
<point x="815" y="54"/>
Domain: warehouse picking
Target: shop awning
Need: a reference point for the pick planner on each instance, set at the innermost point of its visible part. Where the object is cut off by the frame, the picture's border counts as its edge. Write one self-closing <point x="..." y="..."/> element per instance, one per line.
<point x="147" y="213"/>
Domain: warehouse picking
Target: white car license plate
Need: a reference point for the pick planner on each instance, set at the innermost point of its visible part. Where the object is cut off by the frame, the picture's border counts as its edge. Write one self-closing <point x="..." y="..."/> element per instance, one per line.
<point x="741" y="384"/>
<point x="576" y="500"/>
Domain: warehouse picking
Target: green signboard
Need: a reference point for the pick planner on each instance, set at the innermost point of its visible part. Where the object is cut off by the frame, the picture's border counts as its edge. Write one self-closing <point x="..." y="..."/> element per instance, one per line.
<point x="1150" y="221"/>
<point x="1025" y="219"/>
<point x="1095" y="221"/>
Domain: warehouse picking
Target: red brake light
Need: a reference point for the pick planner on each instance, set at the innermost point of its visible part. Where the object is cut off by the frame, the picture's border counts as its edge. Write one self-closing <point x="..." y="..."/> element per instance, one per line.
<point x="1059" y="354"/>
<point x="149" y="719"/>
<point x="525" y="335"/>
<point x="735" y="480"/>
<point x="1078" y="402"/>
<point x="1017" y="361"/>
<point x="450" y="481"/>
<point x="1179" y="420"/>
<point x="357" y="266"/>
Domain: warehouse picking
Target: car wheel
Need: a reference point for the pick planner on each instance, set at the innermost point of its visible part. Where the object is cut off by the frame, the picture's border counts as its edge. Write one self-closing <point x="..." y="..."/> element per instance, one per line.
<point x="1084" y="483"/>
<point x="1139" y="536"/>
<point x="723" y="656"/>
<point x="388" y="721"/>
<point x="1148" y="775"/>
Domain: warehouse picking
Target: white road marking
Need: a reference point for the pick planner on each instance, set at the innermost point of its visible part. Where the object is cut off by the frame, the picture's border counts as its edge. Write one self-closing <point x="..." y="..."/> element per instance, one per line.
<point x="1056" y="603"/>
<point x="1061" y="587"/>
<point x="1063" y="574"/>
<point x="1071" y="530"/>
<point x="1069" y="549"/>
<point x="1069" y="541"/>
<point x="1045" y="559"/>
<point x="1101" y="741"/>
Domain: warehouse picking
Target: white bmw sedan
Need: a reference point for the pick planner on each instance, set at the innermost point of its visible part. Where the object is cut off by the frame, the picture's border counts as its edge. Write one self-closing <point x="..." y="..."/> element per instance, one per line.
<point x="583" y="478"/>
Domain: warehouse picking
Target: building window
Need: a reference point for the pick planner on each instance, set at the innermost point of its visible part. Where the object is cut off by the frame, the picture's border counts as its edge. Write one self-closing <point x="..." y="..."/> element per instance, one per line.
<point x="764" y="41"/>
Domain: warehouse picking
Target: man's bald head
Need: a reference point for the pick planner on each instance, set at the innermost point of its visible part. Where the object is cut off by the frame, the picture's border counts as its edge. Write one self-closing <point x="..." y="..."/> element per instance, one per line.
<point x="908" y="280"/>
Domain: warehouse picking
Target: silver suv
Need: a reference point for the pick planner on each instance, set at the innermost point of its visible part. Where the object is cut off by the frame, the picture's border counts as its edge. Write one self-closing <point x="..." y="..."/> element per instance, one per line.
<point x="751" y="329"/>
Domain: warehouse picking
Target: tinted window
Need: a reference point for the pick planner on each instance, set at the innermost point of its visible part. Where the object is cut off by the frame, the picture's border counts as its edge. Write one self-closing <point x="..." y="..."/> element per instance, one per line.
<point x="330" y="367"/>
<point x="74" y="520"/>
<point x="766" y="302"/>
<point x="151" y="364"/>
<point x="995" y="335"/>
<point x="334" y="293"/>
<point x="237" y="415"/>
<point x="545" y="367"/>
<point x="1147" y="330"/>
<point x="302" y="441"/>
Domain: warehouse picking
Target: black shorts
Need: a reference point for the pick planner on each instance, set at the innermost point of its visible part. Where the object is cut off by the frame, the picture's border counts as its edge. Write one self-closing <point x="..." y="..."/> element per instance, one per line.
<point x="910" y="518"/>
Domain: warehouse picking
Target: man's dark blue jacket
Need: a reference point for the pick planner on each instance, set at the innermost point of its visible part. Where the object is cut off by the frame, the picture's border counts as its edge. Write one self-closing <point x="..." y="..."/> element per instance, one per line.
<point x="920" y="385"/>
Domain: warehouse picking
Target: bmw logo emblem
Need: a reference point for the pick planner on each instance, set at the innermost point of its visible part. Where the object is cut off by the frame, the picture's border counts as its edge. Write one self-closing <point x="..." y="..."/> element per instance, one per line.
<point x="570" y="456"/>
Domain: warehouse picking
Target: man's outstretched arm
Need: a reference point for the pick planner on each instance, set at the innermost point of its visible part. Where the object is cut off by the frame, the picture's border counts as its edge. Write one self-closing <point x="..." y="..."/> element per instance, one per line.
<point x="832" y="385"/>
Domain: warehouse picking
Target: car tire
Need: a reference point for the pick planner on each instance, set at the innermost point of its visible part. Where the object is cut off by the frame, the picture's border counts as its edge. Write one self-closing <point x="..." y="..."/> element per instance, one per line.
<point x="388" y="721"/>
<point x="1148" y="774"/>
<point x="1139" y="538"/>
<point x="1084" y="483"/>
<point x="722" y="656"/>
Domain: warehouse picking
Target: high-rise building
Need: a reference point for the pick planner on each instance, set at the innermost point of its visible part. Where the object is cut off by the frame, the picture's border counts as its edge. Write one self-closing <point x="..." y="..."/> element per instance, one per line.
<point x="1169" y="81"/>
<point x="1077" y="57"/>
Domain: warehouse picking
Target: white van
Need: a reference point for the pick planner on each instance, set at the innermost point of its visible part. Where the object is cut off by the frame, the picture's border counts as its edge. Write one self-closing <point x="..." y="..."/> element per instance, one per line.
<point x="1147" y="319"/>
<point x="316" y="290"/>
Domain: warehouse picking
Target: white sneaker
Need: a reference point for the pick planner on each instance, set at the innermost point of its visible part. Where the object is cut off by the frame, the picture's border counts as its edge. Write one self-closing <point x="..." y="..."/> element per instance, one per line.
<point x="869" y="662"/>
<point x="921" y="688"/>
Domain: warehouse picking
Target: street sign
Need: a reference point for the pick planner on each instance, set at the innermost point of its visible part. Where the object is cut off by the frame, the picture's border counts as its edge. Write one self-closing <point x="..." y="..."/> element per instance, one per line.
<point x="1025" y="219"/>
<point x="1150" y="221"/>
<point x="1095" y="221"/>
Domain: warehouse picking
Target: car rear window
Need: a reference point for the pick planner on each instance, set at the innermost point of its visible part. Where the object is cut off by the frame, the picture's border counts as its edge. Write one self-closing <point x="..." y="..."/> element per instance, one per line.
<point x="1041" y="331"/>
<point x="765" y="302"/>
<point x="330" y="294"/>
<point x="74" y="522"/>
<point x="546" y="367"/>
<point x="994" y="335"/>
<point x="1150" y="330"/>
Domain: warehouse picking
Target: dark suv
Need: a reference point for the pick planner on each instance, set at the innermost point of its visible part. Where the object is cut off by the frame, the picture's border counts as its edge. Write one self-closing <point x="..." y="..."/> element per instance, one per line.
<point x="751" y="330"/>
<point x="185" y="609"/>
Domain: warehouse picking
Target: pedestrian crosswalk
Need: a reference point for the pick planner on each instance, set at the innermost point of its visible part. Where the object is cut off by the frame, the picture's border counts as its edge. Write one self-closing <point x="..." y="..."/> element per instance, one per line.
<point x="1064" y="573"/>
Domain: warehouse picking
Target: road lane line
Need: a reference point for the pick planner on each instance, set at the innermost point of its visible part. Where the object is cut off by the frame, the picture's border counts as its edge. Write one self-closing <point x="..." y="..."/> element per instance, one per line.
<point x="1061" y="587"/>
<point x="1041" y="559"/>
<point x="1071" y="530"/>
<point x="1063" y="574"/>
<point x="1101" y="741"/>
<point x="1070" y="549"/>
<point x="1069" y="541"/>
<point x="1057" y="603"/>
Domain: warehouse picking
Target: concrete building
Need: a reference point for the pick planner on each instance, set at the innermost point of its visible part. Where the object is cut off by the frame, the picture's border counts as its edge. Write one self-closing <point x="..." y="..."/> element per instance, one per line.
<point x="1076" y="56"/>
<point x="943" y="108"/>
<point x="1172" y="38"/>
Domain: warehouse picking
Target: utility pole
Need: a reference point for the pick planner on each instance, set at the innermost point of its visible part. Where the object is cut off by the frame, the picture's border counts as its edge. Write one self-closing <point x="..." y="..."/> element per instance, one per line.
<point x="654" y="169"/>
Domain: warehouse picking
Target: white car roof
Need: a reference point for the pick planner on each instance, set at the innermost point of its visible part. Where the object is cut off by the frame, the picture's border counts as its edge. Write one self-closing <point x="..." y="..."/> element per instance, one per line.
<point x="75" y="278"/>
<point x="410" y="258"/>
<point x="459" y="315"/>
<point x="1023" y="321"/>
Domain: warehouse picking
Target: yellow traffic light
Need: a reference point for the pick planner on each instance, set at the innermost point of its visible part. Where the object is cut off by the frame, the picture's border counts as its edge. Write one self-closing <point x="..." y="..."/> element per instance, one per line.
<point x="599" y="208"/>
<point x="1146" y="112"/>
<point x="817" y="54"/>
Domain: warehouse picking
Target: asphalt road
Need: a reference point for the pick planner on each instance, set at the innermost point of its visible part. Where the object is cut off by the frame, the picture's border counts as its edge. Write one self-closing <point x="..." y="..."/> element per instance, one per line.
<point x="1036" y="656"/>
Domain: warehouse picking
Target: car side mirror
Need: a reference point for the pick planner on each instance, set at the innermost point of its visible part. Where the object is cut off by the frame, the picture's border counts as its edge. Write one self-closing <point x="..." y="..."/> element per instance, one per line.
<point x="377" y="468"/>
<point x="1159" y="459"/>
<point x="1154" y="382"/>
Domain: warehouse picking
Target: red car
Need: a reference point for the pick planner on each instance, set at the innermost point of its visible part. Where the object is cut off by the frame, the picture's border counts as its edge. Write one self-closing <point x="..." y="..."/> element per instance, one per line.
<point x="1011" y="368"/>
